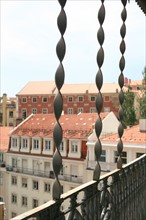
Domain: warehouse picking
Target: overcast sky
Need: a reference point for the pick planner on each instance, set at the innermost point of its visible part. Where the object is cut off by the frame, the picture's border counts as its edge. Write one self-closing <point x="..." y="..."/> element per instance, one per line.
<point x="29" y="35"/>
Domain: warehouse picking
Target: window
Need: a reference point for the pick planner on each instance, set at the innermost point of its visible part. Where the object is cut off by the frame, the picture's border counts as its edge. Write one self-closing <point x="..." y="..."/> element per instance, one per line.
<point x="14" y="198"/>
<point x="61" y="147"/>
<point x="103" y="156"/>
<point x="24" y="201"/>
<point x="24" y="142"/>
<point x="106" y="109"/>
<point x="1" y="178"/>
<point x="70" y="110"/>
<point x="80" y="99"/>
<point x="34" y="99"/>
<point x="35" y="203"/>
<point x="47" y="145"/>
<point x="80" y="110"/>
<point x="24" y="182"/>
<point x="92" y="110"/>
<point x="10" y="114"/>
<point x="24" y="99"/>
<point x="92" y="98"/>
<point x="106" y="98"/>
<point x="34" y="110"/>
<point x="13" y="214"/>
<point x="35" y="185"/>
<point x="74" y="147"/>
<point x="1" y="199"/>
<point x="24" y="113"/>
<point x="46" y="187"/>
<point x="35" y="144"/>
<point x="14" y="180"/>
<point x="139" y="154"/>
<point x="1" y="157"/>
<point x="14" y="142"/>
<point x="124" y="156"/>
<point x="14" y="162"/>
<point x="70" y="99"/>
<point x="44" y="111"/>
<point x="45" y="99"/>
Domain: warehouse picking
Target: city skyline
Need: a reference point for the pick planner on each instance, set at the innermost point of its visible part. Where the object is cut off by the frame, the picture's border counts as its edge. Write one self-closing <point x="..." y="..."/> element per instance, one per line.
<point x="28" y="50"/>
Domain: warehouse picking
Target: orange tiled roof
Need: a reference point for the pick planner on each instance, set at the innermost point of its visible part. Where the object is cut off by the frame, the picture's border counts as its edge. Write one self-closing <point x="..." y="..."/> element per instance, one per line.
<point x="38" y="87"/>
<point x="49" y="87"/>
<point x="73" y="126"/>
<point x="4" y="138"/>
<point x="131" y="135"/>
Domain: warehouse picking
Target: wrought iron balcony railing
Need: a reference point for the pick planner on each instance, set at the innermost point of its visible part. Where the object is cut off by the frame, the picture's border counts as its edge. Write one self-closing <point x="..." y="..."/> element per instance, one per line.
<point x="120" y="194"/>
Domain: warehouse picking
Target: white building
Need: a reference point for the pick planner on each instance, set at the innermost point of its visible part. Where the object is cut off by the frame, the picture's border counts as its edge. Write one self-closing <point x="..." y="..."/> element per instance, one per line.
<point x="30" y="174"/>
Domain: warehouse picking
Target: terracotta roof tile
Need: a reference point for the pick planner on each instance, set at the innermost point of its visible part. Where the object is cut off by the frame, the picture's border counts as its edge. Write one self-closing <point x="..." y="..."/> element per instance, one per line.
<point x="4" y="138"/>
<point x="131" y="135"/>
<point x="75" y="126"/>
<point x="38" y="87"/>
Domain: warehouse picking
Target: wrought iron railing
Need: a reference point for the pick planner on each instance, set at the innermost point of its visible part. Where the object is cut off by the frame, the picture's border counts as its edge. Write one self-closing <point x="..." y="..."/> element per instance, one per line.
<point x="120" y="194"/>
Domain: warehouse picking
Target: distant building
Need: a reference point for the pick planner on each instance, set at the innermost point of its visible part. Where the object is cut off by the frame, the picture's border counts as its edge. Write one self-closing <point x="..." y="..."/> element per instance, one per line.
<point x="38" y="98"/>
<point x="29" y="158"/>
<point x="4" y="143"/>
<point x="134" y="139"/>
<point x="7" y="111"/>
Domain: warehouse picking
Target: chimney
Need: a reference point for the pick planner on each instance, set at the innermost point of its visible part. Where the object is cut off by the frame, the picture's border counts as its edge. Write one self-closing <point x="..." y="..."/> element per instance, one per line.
<point x="142" y="125"/>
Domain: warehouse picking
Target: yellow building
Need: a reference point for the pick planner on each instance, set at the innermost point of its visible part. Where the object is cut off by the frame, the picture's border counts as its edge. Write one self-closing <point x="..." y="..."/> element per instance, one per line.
<point x="7" y="111"/>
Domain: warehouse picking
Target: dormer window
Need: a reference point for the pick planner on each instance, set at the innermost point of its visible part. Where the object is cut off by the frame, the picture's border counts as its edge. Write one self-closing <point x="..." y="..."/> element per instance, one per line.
<point x="35" y="144"/>
<point x="74" y="149"/>
<point x="14" y="142"/>
<point x="24" y="143"/>
<point x="47" y="144"/>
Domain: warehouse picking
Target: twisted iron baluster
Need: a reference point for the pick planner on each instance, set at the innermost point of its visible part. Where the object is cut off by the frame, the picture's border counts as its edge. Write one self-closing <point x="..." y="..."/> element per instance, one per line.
<point x="99" y="99"/>
<point x="121" y="84"/>
<point x="58" y="101"/>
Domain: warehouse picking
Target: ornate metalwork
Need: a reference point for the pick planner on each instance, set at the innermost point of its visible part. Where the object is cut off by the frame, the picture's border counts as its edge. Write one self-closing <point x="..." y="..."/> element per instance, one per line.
<point x="121" y="84"/>
<point x="99" y="99"/>
<point x="122" y="198"/>
<point x="58" y="101"/>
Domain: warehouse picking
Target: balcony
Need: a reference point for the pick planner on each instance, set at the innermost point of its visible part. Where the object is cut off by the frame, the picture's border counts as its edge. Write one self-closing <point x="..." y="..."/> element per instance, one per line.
<point x="45" y="174"/>
<point x="120" y="194"/>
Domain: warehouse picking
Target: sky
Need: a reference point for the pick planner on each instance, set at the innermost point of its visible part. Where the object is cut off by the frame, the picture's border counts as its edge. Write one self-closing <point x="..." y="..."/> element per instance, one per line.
<point x="29" y="36"/>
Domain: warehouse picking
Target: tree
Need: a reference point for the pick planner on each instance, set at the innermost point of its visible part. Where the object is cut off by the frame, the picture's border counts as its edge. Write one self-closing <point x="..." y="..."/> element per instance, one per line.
<point x="143" y="96"/>
<point x="128" y="107"/>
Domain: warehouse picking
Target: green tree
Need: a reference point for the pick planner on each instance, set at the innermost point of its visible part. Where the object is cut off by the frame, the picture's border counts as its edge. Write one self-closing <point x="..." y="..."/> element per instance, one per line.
<point x="143" y="96"/>
<point x="128" y="107"/>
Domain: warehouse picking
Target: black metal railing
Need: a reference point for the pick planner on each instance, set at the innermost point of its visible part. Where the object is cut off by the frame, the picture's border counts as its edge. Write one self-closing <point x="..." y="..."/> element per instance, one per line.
<point x="45" y="174"/>
<point x="120" y="194"/>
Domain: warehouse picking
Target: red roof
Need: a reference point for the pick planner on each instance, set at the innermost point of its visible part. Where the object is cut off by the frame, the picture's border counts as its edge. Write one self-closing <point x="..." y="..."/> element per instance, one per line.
<point x="131" y="135"/>
<point x="4" y="138"/>
<point x="73" y="126"/>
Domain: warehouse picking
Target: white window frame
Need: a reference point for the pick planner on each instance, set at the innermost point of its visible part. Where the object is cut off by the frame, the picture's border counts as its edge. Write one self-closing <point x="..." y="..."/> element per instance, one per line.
<point x="80" y="98"/>
<point x="36" y="144"/>
<point x="24" y="182"/>
<point x="34" y="99"/>
<point x="80" y="110"/>
<point x="14" y="142"/>
<point x="35" y="185"/>
<point x="24" y="142"/>
<point x="14" y="180"/>
<point x="70" y="111"/>
<point x="70" y="98"/>
<point x="24" y="100"/>
<point x="47" y="187"/>
<point x="14" y="198"/>
<point x="44" y="111"/>
<point x="47" y="144"/>
<point x="74" y="148"/>
<point x="45" y="99"/>
<point x="92" y="110"/>
<point x="35" y="203"/>
<point x="103" y="156"/>
<point x="92" y="97"/>
<point x="34" y="110"/>
<point x="107" y="109"/>
<point x="24" y="201"/>
<point x="124" y="158"/>
<point x="14" y="162"/>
